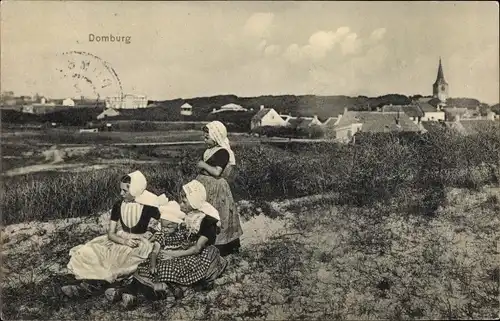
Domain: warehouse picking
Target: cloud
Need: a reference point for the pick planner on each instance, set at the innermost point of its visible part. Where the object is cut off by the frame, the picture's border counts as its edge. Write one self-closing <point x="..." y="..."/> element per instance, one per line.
<point x="351" y="44"/>
<point x="262" y="45"/>
<point x="258" y="24"/>
<point x="293" y="53"/>
<point x="342" y="31"/>
<point x="272" y="50"/>
<point x="322" y="42"/>
<point x="378" y="34"/>
<point x="323" y="39"/>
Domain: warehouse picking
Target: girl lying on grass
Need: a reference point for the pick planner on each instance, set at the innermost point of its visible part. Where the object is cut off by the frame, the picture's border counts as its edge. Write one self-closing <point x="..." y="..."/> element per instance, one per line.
<point x="195" y="263"/>
<point x="112" y="257"/>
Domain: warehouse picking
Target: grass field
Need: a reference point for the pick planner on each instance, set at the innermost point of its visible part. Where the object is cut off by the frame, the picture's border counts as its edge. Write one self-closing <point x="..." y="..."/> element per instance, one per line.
<point x="318" y="261"/>
<point x="397" y="230"/>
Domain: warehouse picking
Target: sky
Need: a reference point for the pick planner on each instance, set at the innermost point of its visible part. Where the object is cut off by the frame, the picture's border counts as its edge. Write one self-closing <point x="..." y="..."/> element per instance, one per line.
<point x="194" y="49"/>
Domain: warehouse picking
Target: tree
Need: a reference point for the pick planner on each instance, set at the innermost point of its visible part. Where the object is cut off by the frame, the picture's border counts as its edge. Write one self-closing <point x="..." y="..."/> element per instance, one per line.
<point x="496" y="109"/>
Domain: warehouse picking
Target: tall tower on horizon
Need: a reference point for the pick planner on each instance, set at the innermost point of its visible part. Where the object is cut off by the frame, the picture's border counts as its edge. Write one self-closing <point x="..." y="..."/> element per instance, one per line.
<point x="440" y="87"/>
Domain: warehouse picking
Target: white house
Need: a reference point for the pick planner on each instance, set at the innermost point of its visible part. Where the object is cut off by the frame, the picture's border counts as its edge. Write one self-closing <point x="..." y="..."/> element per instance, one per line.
<point x="267" y="117"/>
<point x="431" y="113"/>
<point x="186" y="109"/>
<point x="128" y="101"/>
<point x="434" y="116"/>
<point x="68" y="102"/>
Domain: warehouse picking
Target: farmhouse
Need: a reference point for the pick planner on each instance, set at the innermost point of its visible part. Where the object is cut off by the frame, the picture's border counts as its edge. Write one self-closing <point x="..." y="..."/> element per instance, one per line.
<point x="352" y="122"/>
<point x="266" y="117"/>
<point x="186" y="109"/>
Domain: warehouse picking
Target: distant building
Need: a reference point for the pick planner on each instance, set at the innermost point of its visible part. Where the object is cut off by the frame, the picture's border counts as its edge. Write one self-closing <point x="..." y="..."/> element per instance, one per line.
<point x="266" y="117"/>
<point x="352" y="122"/>
<point x="186" y="109"/>
<point x="108" y="112"/>
<point x="68" y="102"/>
<point x="440" y="86"/>
<point x="413" y="111"/>
<point x="10" y="102"/>
<point x="40" y="109"/>
<point x="128" y="101"/>
<point x="229" y="107"/>
<point x="431" y="113"/>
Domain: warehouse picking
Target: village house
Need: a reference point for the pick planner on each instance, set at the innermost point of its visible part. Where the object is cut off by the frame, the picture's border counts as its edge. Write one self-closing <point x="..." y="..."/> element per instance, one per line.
<point x="413" y="111"/>
<point x="186" y="109"/>
<point x="266" y="117"/>
<point x="68" y="102"/>
<point x="352" y="122"/>
<point x="431" y="112"/>
<point x="128" y="101"/>
<point x="42" y="107"/>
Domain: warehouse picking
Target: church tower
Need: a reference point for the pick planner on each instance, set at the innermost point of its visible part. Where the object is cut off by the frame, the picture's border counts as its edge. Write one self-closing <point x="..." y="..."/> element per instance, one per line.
<point x="440" y="87"/>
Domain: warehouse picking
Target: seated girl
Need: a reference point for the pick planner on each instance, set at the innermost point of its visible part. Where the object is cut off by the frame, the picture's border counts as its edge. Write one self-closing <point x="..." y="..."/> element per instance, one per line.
<point x="111" y="257"/>
<point x="170" y="236"/>
<point x="199" y="262"/>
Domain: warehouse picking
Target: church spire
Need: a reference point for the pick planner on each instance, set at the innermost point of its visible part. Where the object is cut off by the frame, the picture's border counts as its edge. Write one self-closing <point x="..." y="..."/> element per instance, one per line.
<point x="440" y="74"/>
<point x="440" y="87"/>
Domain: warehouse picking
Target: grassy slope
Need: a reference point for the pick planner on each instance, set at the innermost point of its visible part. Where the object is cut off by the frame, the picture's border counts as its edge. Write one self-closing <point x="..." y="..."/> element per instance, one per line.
<point x="344" y="263"/>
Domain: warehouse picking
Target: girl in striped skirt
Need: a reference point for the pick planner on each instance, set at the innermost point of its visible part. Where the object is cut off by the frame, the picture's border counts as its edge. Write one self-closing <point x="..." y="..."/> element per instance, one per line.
<point x="195" y="259"/>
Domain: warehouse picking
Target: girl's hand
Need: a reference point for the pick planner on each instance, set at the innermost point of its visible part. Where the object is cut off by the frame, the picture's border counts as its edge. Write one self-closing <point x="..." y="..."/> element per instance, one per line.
<point x="152" y="269"/>
<point x="132" y="242"/>
<point x="201" y="164"/>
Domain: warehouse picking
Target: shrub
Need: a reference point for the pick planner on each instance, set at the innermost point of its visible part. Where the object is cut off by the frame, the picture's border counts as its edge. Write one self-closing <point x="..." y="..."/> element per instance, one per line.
<point x="313" y="131"/>
<point x="409" y="173"/>
<point x="275" y="131"/>
<point x="149" y="126"/>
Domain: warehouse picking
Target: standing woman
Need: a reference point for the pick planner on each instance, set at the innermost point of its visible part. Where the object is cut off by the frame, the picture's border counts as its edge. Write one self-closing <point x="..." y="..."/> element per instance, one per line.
<point x="217" y="164"/>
